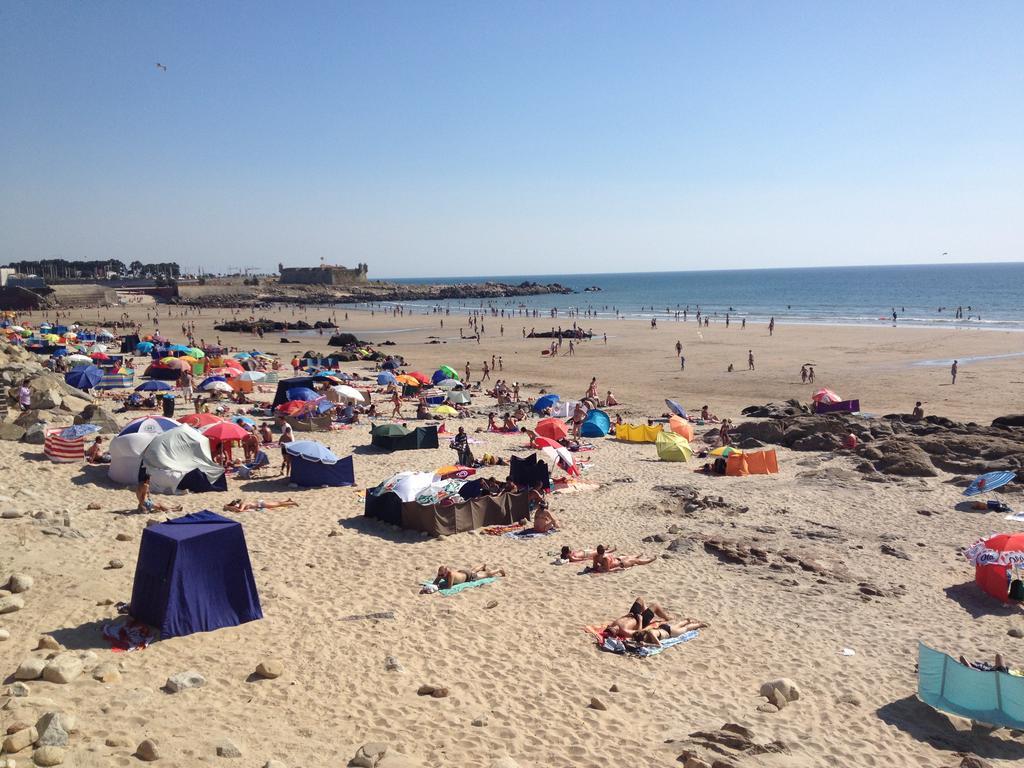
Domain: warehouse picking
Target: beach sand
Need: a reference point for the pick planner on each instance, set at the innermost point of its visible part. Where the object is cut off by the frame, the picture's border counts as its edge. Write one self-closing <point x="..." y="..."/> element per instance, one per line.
<point x="524" y="668"/>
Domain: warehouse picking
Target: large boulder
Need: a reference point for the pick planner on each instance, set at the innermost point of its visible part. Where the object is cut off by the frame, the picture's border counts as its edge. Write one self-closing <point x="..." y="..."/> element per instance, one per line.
<point x="46" y="398"/>
<point x="32" y="416"/>
<point x="100" y="416"/>
<point x="905" y="459"/>
<point x="776" y="410"/>
<point x="36" y="434"/>
<point x="1016" y="420"/>
<point x="11" y="431"/>
<point x="764" y="431"/>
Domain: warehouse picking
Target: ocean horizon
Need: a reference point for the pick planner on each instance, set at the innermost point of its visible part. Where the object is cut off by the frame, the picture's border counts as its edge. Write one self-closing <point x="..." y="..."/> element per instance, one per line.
<point x="990" y="296"/>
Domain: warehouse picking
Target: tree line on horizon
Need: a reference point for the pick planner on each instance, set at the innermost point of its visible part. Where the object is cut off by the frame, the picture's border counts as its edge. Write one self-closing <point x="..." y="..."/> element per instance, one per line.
<point x="62" y="269"/>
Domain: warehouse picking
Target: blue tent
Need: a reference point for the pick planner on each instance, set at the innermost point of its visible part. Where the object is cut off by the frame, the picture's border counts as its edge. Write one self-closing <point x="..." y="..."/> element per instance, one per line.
<point x="548" y="401"/>
<point x="84" y="376"/>
<point x="386" y="377"/>
<point x="314" y="465"/>
<point x="194" y="575"/>
<point x="596" y="424"/>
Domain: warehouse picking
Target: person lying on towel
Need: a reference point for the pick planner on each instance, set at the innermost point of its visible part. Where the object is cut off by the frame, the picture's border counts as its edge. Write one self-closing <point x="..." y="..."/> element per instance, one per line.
<point x="605" y="563"/>
<point x="570" y="555"/>
<point x="640" y="616"/>
<point x="655" y="634"/>
<point x="449" y="577"/>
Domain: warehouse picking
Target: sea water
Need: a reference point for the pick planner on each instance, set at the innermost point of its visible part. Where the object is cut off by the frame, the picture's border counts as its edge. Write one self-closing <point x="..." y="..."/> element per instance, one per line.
<point x="991" y="295"/>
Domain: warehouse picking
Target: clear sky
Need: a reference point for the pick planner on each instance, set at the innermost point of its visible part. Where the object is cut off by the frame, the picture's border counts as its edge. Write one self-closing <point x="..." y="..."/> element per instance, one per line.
<point x="454" y="138"/>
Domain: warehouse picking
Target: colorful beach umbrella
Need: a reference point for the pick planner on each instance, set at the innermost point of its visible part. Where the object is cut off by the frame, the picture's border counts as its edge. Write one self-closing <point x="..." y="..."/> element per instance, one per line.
<point x="199" y="420"/>
<point x="545" y="402"/>
<point x="989" y="482"/>
<point x="217" y="386"/>
<point x="556" y="429"/>
<point x="224" y="431"/>
<point x="386" y="377"/>
<point x="676" y="408"/>
<point x="445" y="410"/>
<point x="725" y="451"/>
<point x="84" y="376"/>
<point x="826" y="396"/>
<point x="154" y="385"/>
<point x="149" y="425"/>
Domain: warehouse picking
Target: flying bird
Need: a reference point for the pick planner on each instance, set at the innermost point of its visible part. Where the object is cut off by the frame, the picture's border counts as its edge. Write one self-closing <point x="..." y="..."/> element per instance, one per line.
<point x="161" y="66"/>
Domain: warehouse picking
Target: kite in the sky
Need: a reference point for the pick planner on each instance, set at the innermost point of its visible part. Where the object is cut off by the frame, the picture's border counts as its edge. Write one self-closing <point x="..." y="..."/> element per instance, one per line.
<point x="161" y="66"/>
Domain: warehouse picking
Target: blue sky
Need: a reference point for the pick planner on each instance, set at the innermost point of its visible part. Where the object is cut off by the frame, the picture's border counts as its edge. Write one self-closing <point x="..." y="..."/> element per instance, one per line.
<point x="460" y="138"/>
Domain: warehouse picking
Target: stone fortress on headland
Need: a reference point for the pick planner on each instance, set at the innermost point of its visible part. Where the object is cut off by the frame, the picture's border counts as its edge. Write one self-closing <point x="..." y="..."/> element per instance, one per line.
<point x="325" y="274"/>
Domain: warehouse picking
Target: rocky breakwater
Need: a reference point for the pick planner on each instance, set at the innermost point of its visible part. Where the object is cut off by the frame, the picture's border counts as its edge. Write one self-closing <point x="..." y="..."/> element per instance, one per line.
<point x="371" y="292"/>
<point x="54" y="402"/>
<point x="271" y="326"/>
<point x="895" y="444"/>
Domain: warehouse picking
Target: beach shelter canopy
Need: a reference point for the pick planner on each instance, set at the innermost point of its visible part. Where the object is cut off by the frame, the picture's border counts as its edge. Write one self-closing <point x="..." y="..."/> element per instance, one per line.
<point x="84" y="376"/>
<point x="987" y="697"/>
<point x="673" y="447"/>
<point x="681" y="427"/>
<point x="741" y="463"/>
<point x="285" y="384"/>
<point x="180" y="460"/>
<point x="444" y="372"/>
<point x="529" y="470"/>
<point x="471" y="512"/>
<point x="59" y="448"/>
<point x="343" y="393"/>
<point x="194" y="575"/>
<point x="989" y="482"/>
<point x="217" y="386"/>
<point x="676" y="408"/>
<point x="448" y="384"/>
<point x="637" y="433"/>
<point x="314" y="465"/>
<point x="596" y="424"/>
<point x="386" y="377"/>
<point x="462" y="398"/>
<point x="407" y="485"/>
<point x="302" y="393"/>
<point x="993" y="559"/>
<point x="394" y="437"/>
<point x="210" y="380"/>
<point x="126" y="455"/>
<point x="153" y="386"/>
<point x="556" y="429"/>
<point x="152" y="425"/>
<point x="547" y="401"/>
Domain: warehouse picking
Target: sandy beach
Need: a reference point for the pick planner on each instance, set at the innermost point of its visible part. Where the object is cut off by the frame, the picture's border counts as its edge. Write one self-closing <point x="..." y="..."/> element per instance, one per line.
<point x="520" y="670"/>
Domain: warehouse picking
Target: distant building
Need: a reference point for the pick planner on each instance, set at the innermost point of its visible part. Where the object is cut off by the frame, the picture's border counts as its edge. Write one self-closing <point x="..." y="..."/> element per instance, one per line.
<point x="325" y="274"/>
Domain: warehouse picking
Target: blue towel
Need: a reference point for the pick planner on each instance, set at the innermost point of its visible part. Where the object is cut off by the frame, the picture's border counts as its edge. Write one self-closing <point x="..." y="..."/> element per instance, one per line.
<point x="614" y="645"/>
<point x="529" y="533"/>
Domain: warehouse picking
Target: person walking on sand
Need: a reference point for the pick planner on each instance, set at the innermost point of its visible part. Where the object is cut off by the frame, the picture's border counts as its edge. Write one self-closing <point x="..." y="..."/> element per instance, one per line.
<point x="466" y="380"/>
<point x="810" y="374"/>
<point x="750" y="359"/>
<point x="803" y="374"/>
<point x="682" y="363"/>
<point x="396" y="401"/>
<point x="487" y="372"/>
<point x="679" y="349"/>
<point x="771" y="327"/>
<point x="953" y="369"/>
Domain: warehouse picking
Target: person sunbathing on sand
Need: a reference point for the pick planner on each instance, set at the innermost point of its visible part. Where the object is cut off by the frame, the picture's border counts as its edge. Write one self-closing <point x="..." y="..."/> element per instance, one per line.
<point x="238" y="505"/>
<point x="544" y="521"/>
<point x="640" y="616"/>
<point x="1000" y="665"/>
<point x="449" y="577"/>
<point x="579" y="555"/>
<point x="655" y="634"/>
<point x="510" y="424"/>
<point x="604" y="562"/>
<point x="146" y="504"/>
<point x="530" y="435"/>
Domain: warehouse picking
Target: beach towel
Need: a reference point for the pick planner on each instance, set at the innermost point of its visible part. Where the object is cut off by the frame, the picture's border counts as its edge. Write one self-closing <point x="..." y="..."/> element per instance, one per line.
<point x="463" y="586"/>
<point x="529" y="533"/>
<point x="614" y="645"/>
<point x="502" y="530"/>
<point x="128" y="635"/>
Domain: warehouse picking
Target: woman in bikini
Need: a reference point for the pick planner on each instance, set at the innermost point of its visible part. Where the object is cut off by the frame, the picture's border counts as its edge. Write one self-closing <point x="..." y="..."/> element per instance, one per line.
<point x="449" y="577"/>
<point x="655" y="634"/>
<point x="640" y="616"/>
<point x="579" y="555"/>
<point x="238" y="505"/>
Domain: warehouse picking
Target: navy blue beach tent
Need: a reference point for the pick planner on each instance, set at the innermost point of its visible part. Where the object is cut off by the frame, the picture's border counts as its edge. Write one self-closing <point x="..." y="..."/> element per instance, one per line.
<point x="194" y="575"/>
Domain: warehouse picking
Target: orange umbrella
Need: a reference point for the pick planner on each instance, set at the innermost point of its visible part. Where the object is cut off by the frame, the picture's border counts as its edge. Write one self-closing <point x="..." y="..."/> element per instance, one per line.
<point x="681" y="427"/>
<point x="556" y="429"/>
<point x="411" y="381"/>
<point x="232" y="363"/>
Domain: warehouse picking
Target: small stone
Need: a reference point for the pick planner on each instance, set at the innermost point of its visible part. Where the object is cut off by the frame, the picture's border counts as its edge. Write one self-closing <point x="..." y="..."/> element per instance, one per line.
<point x="368" y="755"/>
<point x="182" y="680"/>
<point x="614" y="688"/>
<point x="491" y="604"/>
<point x="391" y="664"/>
<point x="770" y="708"/>
<point x="270" y="668"/>
<point x="53" y="728"/>
<point x="117" y="741"/>
<point x="425" y="690"/>
<point x="48" y="756"/>
<point x="439" y="693"/>
<point x="480" y="722"/>
<point x="19" y="740"/>
<point x="226" y="748"/>
<point x="596" y="703"/>
<point x="93" y="505"/>
<point x="30" y="669"/>
<point x="1016" y="632"/>
<point x="113" y="565"/>
<point x="20" y="582"/>
<point x="123" y="537"/>
<point x="785" y="686"/>
<point x="106" y="601"/>
<point x="4" y="635"/>
<point x="147" y="751"/>
<point x="49" y="643"/>
<point x="11" y="514"/>
<point x="63" y="668"/>
<point x="849" y="698"/>
<point x="18" y="690"/>
<point x="11" y="604"/>
<point x="107" y="673"/>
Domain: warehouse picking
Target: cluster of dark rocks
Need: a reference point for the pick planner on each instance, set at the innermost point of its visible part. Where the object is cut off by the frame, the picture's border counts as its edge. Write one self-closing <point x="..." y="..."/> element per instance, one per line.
<point x="895" y="444"/>
<point x="271" y="326"/>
